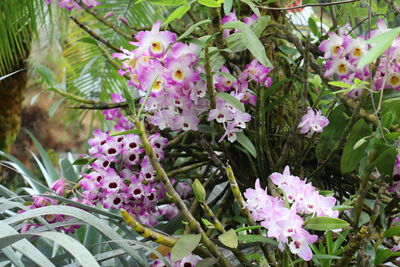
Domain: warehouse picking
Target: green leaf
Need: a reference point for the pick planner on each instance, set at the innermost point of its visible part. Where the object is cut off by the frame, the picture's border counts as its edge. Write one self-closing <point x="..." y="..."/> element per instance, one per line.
<point x="257" y="238"/>
<point x="131" y="131"/>
<point x="248" y="228"/>
<point x="85" y="216"/>
<point x="342" y="207"/>
<point x="25" y="247"/>
<point x="313" y="27"/>
<point x="230" y="99"/>
<point x="229" y="239"/>
<point x="69" y="171"/>
<point x="388" y="119"/>
<point x="55" y="106"/>
<point x="246" y="143"/>
<point x="392" y="231"/>
<point x="351" y="157"/>
<point x="207" y="262"/>
<point x="382" y="42"/>
<point x="325" y="223"/>
<point x="251" y="41"/>
<point x="228" y="6"/>
<point x="185" y="245"/>
<point x="382" y="256"/>
<point x="211" y="3"/>
<point x="326" y="257"/>
<point x="46" y="74"/>
<point x="340" y="84"/>
<point x="73" y="246"/>
<point x="129" y="99"/>
<point x="192" y="28"/>
<point x="81" y="161"/>
<point x="252" y="7"/>
<point x="385" y="161"/>
<point x="177" y="14"/>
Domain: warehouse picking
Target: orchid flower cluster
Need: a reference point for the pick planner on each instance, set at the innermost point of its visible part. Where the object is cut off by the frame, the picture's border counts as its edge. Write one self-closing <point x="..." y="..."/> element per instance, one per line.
<point x="121" y="175"/>
<point x="285" y="223"/>
<point x="59" y="187"/>
<point x="189" y="260"/>
<point x="313" y="122"/>
<point x="71" y="4"/>
<point x="343" y="52"/>
<point x="168" y="75"/>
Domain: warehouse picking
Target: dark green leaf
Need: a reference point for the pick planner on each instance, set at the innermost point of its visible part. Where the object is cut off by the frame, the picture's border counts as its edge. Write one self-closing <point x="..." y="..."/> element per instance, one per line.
<point x="246" y="143"/>
<point x="382" y="256"/>
<point x="257" y="238"/>
<point x="185" y="245"/>
<point x="313" y="27"/>
<point x="392" y="231"/>
<point x="325" y="257"/>
<point x="385" y="161"/>
<point x="229" y="239"/>
<point x="325" y="223"/>
<point x="230" y="99"/>
<point x="351" y="157"/>
<point x="192" y="28"/>
<point x="251" y="41"/>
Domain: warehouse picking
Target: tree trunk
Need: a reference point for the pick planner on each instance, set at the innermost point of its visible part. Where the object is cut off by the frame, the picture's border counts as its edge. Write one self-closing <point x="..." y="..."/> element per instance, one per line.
<point x="11" y="97"/>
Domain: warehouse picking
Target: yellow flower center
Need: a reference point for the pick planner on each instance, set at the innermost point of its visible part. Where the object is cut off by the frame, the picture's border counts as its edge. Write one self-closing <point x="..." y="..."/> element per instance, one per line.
<point x="394" y="80"/>
<point x="178" y="75"/>
<point x="335" y="49"/>
<point x="342" y="68"/>
<point x="156" y="47"/>
<point x="157" y="85"/>
<point x="357" y="52"/>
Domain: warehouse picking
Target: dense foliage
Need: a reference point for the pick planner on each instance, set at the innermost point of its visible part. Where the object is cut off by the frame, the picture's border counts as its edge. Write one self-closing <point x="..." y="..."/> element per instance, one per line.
<point x="228" y="133"/>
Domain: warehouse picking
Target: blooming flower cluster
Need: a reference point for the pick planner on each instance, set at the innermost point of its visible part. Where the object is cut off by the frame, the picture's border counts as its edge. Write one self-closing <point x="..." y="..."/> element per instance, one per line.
<point x="343" y="52"/>
<point x="121" y="176"/>
<point x="189" y="260"/>
<point x="168" y="75"/>
<point x="59" y="187"/>
<point x="71" y="4"/>
<point x="313" y="122"/>
<point x="285" y="223"/>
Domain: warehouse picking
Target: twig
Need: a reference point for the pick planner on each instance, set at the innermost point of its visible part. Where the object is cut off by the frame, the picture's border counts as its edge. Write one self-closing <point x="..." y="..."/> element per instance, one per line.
<point x="95" y="35"/>
<point x="102" y="20"/>
<point x="309" y="5"/>
<point x="186" y="168"/>
<point x="163" y="177"/>
<point x="209" y="78"/>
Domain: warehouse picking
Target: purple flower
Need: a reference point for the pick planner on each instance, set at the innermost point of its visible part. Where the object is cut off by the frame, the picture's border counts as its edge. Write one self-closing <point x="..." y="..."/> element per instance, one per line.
<point x="313" y="122"/>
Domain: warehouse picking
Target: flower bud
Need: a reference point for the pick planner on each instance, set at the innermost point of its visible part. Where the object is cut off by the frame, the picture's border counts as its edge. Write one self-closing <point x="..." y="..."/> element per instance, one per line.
<point x="108" y="15"/>
<point x="199" y="191"/>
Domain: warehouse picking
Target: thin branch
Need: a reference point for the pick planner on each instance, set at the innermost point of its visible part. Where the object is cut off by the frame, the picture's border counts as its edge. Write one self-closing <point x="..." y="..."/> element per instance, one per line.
<point x="102" y="20"/>
<point x="309" y="5"/>
<point x="95" y="35"/>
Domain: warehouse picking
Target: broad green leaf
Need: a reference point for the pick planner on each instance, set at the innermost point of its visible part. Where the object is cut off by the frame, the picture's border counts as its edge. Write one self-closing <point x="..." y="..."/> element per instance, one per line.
<point x="192" y="28"/>
<point x="211" y="3"/>
<point x="207" y="262"/>
<point x="230" y="99"/>
<point x="248" y="228"/>
<point x="382" y="42"/>
<point x="228" y="6"/>
<point x="351" y="157"/>
<point x="385" y="161"/>
<point x="68" y="171"/>
<point x="392" y="231"/>
<point x="382" y="256"/>
<point x="229" y="239"/>
<point x="73" y="246"/>
<point x="388" y="119"/>
<point x="55" y="106"/>
<point x="313" y="27"/>
<point x="177" y="14"/>
<point x="251" y="41"/>
<point x="342" y="207"/>
<point x="340" y="84"/>
<point x="246" y="143"/>
<point x="129" y="99"/>
<point x="85" y="216"/>
<point x="257" y="238"/>
<point x="185" y="245"/>
<point x="25" y="247"/>
<point x="46" y="73"/>
<point x="325" y="223"/>
<point x="252" y="7"/>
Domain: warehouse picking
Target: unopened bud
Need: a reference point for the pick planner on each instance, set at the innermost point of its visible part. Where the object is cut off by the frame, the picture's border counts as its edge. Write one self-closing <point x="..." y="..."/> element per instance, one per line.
<point x="199" y="191"/>
<point x="108" y="15"/>
<point x="123" y="20"/>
